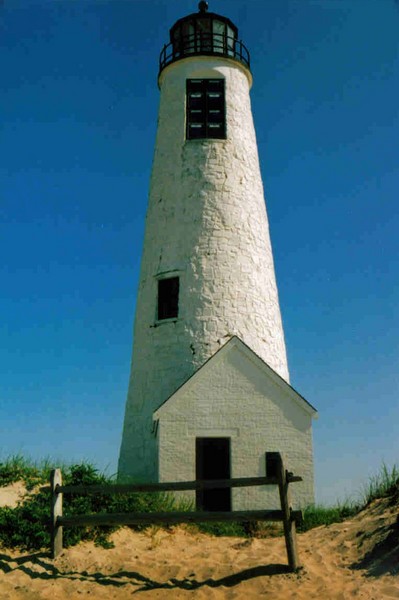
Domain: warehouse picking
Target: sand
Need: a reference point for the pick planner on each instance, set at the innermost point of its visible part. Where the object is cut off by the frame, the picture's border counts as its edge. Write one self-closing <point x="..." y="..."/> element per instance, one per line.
<point x="358" y="558"/>
<point x="10" y="495"/>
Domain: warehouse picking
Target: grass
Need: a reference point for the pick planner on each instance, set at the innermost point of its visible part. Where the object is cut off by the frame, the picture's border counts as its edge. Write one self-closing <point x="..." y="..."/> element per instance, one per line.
<point x="222" y="528"/>
<point x="314" y="516"/>
<point x="384" y="483"/>
<point x="27" y="525"/>
<point x="20" y="468"/>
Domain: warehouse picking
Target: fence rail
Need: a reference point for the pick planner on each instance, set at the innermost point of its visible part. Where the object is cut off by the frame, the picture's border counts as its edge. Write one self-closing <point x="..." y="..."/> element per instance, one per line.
<point x="279" y="477"/>
<point x="175" y="517"/>
<point x="174" y="486"/>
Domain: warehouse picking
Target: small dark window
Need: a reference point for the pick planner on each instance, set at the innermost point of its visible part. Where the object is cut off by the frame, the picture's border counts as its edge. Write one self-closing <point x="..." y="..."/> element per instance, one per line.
<point x="168" y="298"/>
<point x="205" y="107"/>
<point x="273" y="460"/>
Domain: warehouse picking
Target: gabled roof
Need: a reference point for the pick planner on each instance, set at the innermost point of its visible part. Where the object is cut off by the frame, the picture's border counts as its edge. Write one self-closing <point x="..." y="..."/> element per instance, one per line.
<point x="236" y="343"/>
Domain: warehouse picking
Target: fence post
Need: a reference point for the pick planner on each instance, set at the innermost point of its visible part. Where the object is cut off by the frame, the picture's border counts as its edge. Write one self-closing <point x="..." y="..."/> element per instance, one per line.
<point x="56" y="511"/>
<point x="289" y="523"/>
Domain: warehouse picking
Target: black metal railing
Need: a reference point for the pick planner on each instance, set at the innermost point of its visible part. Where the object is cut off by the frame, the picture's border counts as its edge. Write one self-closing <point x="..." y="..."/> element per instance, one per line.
<point x="205" y="44"/>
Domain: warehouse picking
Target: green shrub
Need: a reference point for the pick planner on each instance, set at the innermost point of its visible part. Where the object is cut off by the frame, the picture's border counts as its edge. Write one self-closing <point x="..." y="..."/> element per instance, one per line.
<point x="28" y="525"/>
<point x="104" y="503"/>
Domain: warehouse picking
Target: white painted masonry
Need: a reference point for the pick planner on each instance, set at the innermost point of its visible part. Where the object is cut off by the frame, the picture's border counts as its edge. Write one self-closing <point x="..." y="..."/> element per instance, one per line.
<point x="236" y="395"/>
<point x="206" y="223"/>
<point x="206" y="220"/>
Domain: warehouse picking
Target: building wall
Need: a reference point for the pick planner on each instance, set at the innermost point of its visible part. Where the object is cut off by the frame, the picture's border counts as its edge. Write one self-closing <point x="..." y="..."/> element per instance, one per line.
<point x="236" y="399"/>
<point x="207" y="221"/>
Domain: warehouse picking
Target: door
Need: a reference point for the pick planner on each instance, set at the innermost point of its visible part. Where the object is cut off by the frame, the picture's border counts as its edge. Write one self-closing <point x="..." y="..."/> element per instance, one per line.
<point x="213" y="462"/>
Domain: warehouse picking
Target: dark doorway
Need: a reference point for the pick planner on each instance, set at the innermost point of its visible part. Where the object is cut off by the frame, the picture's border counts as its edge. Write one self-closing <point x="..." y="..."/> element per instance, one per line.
<point x="213" y="462"/>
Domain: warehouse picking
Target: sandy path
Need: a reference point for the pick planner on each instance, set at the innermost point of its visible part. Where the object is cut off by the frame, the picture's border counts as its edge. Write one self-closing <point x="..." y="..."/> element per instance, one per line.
<point x="355" y="559"/>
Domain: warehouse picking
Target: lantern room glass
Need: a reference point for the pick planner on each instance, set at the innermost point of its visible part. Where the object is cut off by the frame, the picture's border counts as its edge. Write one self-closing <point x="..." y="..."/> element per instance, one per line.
<point x="205" y="34"/>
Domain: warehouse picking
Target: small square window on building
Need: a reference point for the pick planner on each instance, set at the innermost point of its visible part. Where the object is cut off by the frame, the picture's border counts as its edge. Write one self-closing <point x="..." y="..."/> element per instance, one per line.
<point x="168" y="298"/>
<point x="205" y="109"/>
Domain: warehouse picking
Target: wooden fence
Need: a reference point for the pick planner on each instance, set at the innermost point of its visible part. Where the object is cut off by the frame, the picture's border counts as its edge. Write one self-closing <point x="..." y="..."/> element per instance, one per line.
<point x="276" y="475"/>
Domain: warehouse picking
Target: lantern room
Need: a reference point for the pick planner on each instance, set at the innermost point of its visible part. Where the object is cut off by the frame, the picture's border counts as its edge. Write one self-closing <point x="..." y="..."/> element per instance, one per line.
<point x="203" y="33"/>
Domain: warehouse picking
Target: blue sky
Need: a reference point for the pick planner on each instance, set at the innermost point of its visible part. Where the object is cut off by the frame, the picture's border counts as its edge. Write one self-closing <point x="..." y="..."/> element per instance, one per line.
<point x="78" y="112"/>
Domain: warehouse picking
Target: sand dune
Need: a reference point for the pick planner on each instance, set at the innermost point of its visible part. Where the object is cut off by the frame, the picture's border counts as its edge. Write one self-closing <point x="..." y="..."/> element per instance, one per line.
<point x="355" y="559"/>
<point x="12" y="494"/>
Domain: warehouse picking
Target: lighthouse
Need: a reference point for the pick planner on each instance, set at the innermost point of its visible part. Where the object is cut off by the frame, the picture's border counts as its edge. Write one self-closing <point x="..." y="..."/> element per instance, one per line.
<point x="209" y="392"/>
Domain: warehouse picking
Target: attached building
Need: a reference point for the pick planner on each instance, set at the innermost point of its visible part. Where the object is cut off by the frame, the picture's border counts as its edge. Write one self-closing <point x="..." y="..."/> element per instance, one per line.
<point x="224" y="419"/>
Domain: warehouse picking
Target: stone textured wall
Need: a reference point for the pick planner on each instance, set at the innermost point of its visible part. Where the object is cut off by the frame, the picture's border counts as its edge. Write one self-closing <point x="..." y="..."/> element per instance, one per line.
<point x="235" y="398"/>
<point x="207" y="221"/>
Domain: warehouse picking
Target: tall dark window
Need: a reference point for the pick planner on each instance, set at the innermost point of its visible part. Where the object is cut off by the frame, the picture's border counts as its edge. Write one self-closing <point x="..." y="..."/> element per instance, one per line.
<point x="205" y="112"/>
<point x="168" y="298"/>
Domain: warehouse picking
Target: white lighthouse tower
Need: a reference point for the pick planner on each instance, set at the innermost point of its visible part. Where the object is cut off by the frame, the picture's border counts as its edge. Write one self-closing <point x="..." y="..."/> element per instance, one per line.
<point x="209" y="359"/>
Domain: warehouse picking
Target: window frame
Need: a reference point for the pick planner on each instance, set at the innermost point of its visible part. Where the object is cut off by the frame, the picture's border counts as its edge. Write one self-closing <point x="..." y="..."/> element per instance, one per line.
<point x="202" y="106"/>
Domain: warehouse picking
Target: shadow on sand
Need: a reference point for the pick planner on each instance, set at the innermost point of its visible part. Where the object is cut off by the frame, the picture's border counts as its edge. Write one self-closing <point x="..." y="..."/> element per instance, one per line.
<point x="383" y="558"/>
<point x="39" y="566"/>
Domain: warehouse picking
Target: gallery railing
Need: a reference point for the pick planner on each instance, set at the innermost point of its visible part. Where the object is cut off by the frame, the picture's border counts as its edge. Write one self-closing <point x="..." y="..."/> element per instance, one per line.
<point x="214" y="44"/>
